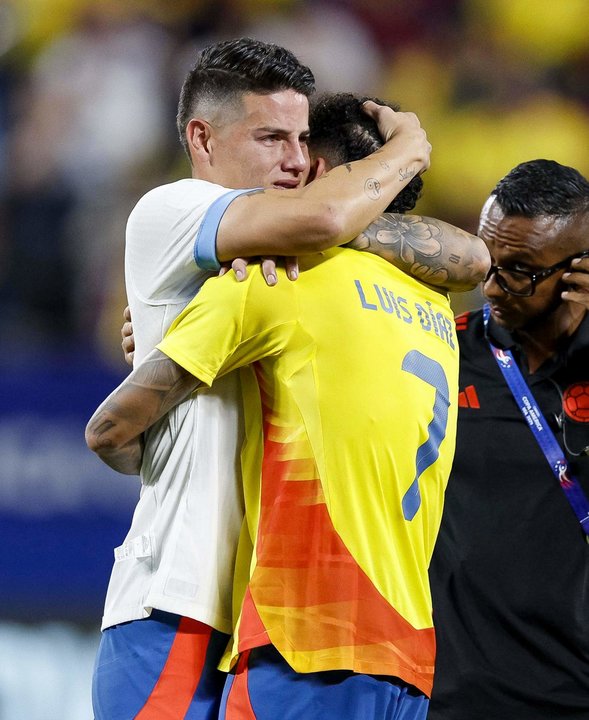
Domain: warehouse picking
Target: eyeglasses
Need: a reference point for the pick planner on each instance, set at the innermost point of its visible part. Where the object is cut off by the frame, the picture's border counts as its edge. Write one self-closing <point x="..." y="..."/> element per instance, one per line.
<point x="523" y="282"/>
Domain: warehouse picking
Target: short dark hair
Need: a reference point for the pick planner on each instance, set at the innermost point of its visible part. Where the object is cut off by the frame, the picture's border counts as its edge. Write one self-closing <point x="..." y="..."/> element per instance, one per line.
<point x="230" y="68"/>
<point x="542" y="187"/>
<point x="342" y="132"/>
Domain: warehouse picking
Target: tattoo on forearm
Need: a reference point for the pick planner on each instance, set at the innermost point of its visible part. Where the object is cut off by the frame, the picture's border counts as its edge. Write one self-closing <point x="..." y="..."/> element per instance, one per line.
<point x="428" y="249"/>
<point x="159" y="374"/>
<point x="406" y="174"/>
<point x="156" y="386"/>
<point x="372" y="188"/>
<point x="115" y="431"/>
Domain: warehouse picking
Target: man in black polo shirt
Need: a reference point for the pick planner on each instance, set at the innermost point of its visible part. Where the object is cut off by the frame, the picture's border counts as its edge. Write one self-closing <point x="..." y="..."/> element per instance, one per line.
<point x="510" y="573"/>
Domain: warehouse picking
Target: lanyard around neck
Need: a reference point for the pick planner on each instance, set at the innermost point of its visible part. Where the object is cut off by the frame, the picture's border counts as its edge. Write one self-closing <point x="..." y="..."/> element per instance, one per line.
<point x="542" y="433"/>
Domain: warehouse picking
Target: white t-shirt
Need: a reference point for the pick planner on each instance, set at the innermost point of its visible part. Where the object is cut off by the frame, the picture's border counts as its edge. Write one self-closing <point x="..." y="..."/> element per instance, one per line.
<point x="179" y="553"/>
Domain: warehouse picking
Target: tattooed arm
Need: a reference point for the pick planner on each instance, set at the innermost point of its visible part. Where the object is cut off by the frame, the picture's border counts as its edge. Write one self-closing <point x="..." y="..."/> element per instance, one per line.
<point x="431" y="250"/>
<point x="115" y="431"/>
<point x="336" y="206"/>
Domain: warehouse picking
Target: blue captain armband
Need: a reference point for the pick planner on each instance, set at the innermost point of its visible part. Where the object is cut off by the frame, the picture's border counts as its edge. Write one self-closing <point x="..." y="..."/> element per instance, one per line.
<point x="205" y="247"/>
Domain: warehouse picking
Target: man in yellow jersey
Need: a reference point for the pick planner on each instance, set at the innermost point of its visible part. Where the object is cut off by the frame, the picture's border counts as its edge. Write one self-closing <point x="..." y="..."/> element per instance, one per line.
<point x="356" y="368"/>
<point x="345" y="466"/>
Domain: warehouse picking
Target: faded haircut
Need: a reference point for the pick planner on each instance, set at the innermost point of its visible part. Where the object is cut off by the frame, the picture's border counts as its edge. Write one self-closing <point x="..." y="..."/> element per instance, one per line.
<point x="227" y="70"/>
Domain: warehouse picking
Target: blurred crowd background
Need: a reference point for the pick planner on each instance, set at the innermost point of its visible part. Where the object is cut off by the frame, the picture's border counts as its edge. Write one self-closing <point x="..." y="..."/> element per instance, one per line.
<point x="88" y="93"/>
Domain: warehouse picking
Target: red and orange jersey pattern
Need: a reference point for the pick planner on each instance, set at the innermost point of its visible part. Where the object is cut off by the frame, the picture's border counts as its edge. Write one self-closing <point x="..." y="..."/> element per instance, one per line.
<point x="307" y="594"/>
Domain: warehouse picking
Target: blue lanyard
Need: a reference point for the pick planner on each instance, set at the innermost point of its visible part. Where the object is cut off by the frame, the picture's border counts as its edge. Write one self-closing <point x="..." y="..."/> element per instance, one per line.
<point x="543" y="434"/>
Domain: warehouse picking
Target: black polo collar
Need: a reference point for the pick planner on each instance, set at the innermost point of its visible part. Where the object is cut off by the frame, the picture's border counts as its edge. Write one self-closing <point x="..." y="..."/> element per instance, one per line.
<point x="502" y="338"/>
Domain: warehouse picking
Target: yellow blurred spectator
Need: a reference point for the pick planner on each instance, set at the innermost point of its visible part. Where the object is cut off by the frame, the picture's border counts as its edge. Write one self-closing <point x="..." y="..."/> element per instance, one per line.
<point x="474" y="147"/>
<point x="548" y="31"/>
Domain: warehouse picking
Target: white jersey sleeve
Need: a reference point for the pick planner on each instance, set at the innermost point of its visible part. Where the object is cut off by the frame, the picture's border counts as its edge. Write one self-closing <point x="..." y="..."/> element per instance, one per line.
<point x="161" y="273"/>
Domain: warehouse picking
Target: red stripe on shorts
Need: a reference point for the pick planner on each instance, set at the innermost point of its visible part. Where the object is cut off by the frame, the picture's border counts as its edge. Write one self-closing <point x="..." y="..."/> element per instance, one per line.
<point x="175" y="688"/>
<point x="239" y="706"/>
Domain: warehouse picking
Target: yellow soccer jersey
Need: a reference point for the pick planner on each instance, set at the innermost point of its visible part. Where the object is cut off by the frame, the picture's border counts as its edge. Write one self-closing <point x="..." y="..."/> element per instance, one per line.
<point x="356" y="384"/>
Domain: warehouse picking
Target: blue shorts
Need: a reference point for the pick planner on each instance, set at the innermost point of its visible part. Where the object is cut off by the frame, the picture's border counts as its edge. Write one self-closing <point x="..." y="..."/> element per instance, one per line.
<point x="163" y="667"/>
<point x="264" y="687"/>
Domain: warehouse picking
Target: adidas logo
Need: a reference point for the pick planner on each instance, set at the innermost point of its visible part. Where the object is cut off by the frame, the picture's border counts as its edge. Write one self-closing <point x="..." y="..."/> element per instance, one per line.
<point x="462" y="320"/>
<point x="468" y="398"/>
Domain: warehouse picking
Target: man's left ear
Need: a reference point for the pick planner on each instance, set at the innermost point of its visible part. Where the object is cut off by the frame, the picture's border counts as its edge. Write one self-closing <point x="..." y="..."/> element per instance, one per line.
<point x="318" y="168"/>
